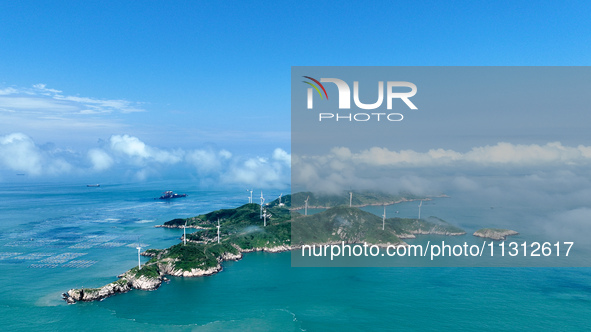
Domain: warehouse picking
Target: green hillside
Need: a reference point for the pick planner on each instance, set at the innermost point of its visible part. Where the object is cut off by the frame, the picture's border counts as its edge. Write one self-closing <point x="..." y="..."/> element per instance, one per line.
<point x="296" y="201"/>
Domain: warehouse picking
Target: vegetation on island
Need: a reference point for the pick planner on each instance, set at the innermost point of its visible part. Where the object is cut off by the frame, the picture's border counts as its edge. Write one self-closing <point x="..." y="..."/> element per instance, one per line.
<point x="147" y="270"/>
<point x="353" y="225"/>
<point x="494" y="233"/>
<point x="359" y="198"/>
<point x="244" y="215"/>
<point x="408" y="227"/>
<point x="342" y="223"/>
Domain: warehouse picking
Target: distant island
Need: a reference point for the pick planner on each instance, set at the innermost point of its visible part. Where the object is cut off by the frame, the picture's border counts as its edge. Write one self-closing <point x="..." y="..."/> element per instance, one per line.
<point x="357" y="199"/>
<point x="494" y="233"/>
<point x="242" y="230"/>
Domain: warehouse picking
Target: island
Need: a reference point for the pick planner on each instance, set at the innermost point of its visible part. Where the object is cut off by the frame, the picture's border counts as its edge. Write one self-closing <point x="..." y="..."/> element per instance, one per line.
<point x="494" y="233"/>
<point x="353" y="198"/>
<point x="248" y="228"/>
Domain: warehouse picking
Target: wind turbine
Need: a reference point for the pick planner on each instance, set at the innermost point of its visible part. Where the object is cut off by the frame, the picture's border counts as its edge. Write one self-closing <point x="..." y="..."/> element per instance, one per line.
<point x="185" y="234"/>
<point x="139" y="248"/>
<point x="262" y="202"/>
<point x="250" y="198"/>
<point x="306" y="208"/>
<point x="420" y="209"/>
<point x="384" y="218"/>
<point x="280" y="204"/>
<point x="350" y="198"/>
<point x="265" y="215"/>
<point x="218" y="230"/>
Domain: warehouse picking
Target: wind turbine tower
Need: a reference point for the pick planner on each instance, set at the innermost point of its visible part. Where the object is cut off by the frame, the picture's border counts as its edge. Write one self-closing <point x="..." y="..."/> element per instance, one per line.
<point x="384" y="218"/>
<point x="350" y="198"/>
<point x="306" y="207"/>
<point x="262" y="203"/>
<point x="185" y="234"/>
<point x="420" y="209"/>
<point x="139" y="249"/>
<point x="265" y="215"/>
<point x="280" y="204"/>
<point x="249" y="198"/>
<point x="218" y="230"/>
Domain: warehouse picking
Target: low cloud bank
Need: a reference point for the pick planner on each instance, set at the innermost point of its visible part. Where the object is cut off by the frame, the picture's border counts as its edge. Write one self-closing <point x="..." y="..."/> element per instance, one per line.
<point x="130" y="156"/>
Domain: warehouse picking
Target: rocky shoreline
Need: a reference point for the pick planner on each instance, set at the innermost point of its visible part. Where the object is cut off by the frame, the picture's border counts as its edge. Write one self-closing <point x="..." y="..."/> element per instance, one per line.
<point x="494" y="233"/>
<point x="177" y="226"/>
<point x="203" y="254"/>
<point x="412" y="234"/>
<point x="128" y="280"/>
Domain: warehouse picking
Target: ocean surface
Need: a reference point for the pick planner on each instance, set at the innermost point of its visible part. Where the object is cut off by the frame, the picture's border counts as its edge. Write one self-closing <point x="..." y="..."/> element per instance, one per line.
<point x="57" y="237"/>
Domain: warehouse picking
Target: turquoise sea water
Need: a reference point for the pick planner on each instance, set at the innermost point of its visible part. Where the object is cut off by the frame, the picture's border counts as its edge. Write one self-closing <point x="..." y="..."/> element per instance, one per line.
<point x="53" y="238"/>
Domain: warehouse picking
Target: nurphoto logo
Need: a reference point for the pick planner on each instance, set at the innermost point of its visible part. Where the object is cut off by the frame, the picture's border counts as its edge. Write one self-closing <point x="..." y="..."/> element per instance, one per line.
<point x="344" y="99"/>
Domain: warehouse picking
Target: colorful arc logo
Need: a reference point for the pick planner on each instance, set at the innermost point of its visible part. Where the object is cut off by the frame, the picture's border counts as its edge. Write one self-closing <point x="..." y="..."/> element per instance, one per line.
<point x="316" y="87"/>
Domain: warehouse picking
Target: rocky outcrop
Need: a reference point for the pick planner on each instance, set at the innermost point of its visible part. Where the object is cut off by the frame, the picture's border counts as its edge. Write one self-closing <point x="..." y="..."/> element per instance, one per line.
<point x="228" y="256"/>
<point x="145" y="283"/>
<point x="168" y="267"/>
<point x="196" y="272"/>
<point x="179" y="226"/>
<point x="95" y="294"/>
<point x="280" y="248"/>
<point x="494" y="233"/>
<point x="126" y="282"/>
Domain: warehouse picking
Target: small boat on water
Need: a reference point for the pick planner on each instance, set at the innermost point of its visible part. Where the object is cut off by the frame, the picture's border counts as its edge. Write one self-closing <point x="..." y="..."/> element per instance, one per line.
<point x="93" y="185"/>
<point x="169" y="194"/>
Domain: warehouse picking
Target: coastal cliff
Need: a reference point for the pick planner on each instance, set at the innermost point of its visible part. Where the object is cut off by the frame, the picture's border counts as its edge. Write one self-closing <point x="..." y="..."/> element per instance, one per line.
<point x="132" y="279"/>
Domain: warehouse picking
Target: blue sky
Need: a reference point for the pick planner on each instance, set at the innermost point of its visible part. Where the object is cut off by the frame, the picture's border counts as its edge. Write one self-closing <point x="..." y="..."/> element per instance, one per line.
<point x="212" y="79"/>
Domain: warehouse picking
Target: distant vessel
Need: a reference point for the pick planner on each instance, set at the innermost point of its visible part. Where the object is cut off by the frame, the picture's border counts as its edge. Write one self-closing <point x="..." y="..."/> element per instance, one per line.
<point x="170" y="194"/>
<point x="93" y="185"/>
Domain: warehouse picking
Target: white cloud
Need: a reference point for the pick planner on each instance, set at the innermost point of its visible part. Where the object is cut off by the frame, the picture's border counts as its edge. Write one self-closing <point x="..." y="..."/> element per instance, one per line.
<point x="43" y="87"/>
<point x="18" y="152"/>
<point x="213" y="165"/>
<point x="257" y="172"/>
<point x="36" y="104"/>
<point x="205" y="160"/>
<point x="101" y="106"/>
<point x="496" y="155"/>
<point x="129" y="145"/>
<point x="130" y="157"/>
<point x="52" y="114"/>
<point x="8" y="91"/>
<point x="225" y="154"/>
<point x="134" y="148"/>
<point x="40" y="99"/>
<point x="281" y="155"/>
<point x="379" y="167"/>
<point x="100" y="159"/>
